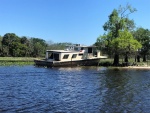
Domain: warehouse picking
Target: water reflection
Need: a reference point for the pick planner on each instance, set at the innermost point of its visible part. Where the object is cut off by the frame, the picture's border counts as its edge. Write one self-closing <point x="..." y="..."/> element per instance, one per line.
<point x="123" y="93"/>
<point x="115" y="96"/>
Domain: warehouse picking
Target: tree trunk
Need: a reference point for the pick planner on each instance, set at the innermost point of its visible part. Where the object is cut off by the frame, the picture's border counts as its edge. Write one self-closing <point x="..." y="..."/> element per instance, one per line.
<point x="126" y="58"/>
<point x="135" y="58"/>
<point x="116" y="60"/>
<point x="144" y="58"/>
<point x="138" y="58"/>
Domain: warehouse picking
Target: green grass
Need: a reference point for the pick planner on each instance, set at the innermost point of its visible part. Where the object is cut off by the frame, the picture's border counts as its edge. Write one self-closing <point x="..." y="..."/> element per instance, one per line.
<point x="6" y="61"/>
<point x="16" y="59"/>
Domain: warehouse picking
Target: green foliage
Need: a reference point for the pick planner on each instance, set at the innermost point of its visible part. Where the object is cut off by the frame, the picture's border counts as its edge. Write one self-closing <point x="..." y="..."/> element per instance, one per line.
<point x="1" y="38"/>
<point x="38" y="47"/>
<point x="9" y="38"/>
<point x="9" y="43"/>
<point x="143" y="36"/>
<point x="125" y="42"/>
<point x="115" y="40"/>
<point x="118" y="20"/>
<point x="104" y="44"/>
<point x="58" y="46"/>
<point x="12" y="45"/>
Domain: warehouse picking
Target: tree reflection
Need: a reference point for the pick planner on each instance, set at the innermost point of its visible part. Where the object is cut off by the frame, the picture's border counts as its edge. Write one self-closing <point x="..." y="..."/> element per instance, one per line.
<point x="118" y="93"/>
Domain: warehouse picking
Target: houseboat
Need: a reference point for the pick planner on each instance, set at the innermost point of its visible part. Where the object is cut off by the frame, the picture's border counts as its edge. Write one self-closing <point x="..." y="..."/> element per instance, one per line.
<point x="73" y="55"/>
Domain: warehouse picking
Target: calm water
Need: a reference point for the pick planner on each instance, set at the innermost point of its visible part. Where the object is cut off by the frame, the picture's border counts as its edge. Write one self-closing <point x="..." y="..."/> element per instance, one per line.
<point x="78" y="90"/>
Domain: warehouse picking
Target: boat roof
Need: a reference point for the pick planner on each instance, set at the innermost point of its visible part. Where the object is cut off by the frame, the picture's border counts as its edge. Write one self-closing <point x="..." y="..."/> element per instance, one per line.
<point x="62" y="51"/>
<point x="80" y="46"/>
<point x="70" y="50"/>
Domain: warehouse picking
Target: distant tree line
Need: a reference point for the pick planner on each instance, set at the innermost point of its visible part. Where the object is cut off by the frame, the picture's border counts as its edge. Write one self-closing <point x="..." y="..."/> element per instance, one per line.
<point x="12" y="45"/>
<point x="122" y="39"/>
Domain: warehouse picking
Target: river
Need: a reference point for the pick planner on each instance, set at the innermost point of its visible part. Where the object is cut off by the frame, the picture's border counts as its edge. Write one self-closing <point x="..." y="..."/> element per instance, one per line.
<point x="29" y="89"/>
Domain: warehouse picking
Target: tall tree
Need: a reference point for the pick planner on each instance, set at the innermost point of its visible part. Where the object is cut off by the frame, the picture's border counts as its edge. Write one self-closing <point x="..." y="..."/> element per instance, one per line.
<point x="125" y="44"/>
<point x="104" y="44"/>
<point x="38" y="46"/>
<point x="143" y="36"/>
<point x="1" y="38"/>
<point x="9" y="39"/>
<point x="25" y="46"/>
<point x="118" y="20"/>
<point x="58" y="46"/>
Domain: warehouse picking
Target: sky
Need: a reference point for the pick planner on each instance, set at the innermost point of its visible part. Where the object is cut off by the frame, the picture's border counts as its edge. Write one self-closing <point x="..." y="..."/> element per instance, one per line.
<point x="75" y="21"/>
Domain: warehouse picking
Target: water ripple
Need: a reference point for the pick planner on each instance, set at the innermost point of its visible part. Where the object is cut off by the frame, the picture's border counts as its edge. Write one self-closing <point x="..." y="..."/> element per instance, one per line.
<point x="78" y="90"/>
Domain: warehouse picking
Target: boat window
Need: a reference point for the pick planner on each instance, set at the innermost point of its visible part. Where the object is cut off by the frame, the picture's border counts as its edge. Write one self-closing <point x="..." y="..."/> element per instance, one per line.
<point x="66" y="56"/>
<point x="76" y="49"/>
<point x="81" y="54"/>
<point x="74" y="55"/>
<point x="50" y="55"/>
<point x="95" y="54"/>
<point x="82" y="48"/>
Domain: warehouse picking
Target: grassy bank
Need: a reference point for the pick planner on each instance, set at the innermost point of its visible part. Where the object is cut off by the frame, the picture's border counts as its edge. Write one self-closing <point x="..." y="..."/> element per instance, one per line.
<point x="16" y="61"/>
<point x="6" y="61"/>
<point x="109" y="62"/>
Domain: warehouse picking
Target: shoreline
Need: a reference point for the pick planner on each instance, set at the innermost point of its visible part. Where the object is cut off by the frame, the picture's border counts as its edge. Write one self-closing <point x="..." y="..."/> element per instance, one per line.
<point x="138" y="67"/>
<point x="133" y="67"/>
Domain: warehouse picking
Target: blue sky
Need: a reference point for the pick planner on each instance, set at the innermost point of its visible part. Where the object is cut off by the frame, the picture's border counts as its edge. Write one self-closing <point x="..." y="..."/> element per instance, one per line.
<point x="75" y="21"/>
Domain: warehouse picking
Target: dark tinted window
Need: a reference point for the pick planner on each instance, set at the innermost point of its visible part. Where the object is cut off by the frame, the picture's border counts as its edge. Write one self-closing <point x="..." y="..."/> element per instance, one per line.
<point x="66" y="56"/>
<point x="74" y="55"/>
<point x="81" y="54"/>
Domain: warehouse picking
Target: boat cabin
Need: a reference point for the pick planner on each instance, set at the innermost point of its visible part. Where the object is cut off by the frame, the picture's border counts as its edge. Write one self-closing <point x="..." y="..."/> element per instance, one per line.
<point x="73" y="53"/>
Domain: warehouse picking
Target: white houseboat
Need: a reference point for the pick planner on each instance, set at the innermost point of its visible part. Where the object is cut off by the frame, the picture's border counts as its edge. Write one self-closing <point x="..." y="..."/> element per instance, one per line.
<point x="74" y="55"/>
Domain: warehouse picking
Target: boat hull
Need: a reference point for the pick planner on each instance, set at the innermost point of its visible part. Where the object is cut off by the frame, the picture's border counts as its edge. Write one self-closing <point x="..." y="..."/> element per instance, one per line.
<point x="87" y="62"/>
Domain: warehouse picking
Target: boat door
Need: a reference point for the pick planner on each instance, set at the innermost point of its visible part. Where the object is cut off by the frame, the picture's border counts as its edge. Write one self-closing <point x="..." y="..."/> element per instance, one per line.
<point x="90" y="50"/>
<point x="56" y="56"/>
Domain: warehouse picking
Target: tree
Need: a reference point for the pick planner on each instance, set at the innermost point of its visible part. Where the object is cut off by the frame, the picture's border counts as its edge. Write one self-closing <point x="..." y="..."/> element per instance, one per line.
<point x="143" y="36"/>
<point x="7" y="43"/>
<point x="58" y="46"/>
<point x="118" y="20"/>
<point x="37" y="47"/>
<point x="25" y="46"/>
<point x="125" y="44"/>
<point x="1" y="38"/>
<point x="104" y="44"/>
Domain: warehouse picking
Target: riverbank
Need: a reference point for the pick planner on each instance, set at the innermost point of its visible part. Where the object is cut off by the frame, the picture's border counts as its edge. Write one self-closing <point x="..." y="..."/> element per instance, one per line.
<point x="6" y="61"/>
<point x="136" y="67"/>
<point x="16" y="61"/>
<point x="130" y="65"/>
